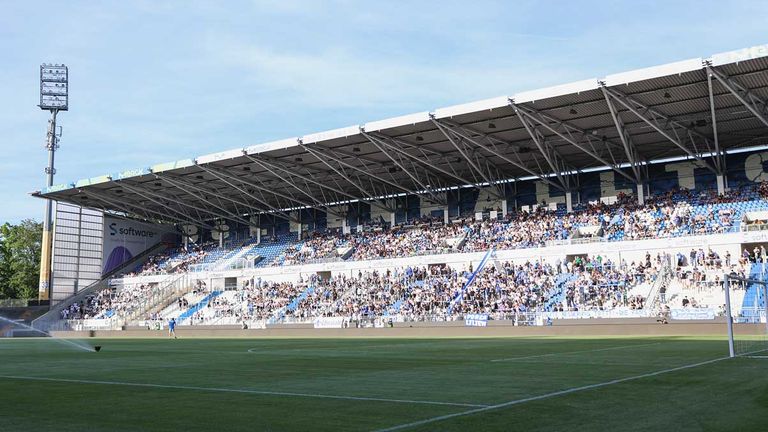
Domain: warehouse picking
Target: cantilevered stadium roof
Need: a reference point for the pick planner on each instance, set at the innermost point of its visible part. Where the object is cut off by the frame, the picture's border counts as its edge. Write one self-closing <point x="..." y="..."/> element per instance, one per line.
<point x="697" y="108"/>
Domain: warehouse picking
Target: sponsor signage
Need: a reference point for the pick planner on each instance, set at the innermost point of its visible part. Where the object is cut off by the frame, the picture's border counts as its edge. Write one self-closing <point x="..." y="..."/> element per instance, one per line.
<point x="330" y="322"/>
<point x="616" y="313"/>
<point x="476" y="320"/>
<point x="692" y="314"/>
<point x="125" y="238"/>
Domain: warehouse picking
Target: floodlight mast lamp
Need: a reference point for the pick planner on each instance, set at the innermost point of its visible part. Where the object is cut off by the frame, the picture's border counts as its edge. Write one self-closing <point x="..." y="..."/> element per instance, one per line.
<point x="54" y="97"/>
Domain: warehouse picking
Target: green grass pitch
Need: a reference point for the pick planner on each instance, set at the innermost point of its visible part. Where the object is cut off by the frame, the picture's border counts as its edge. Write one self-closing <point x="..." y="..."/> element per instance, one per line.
<point x="508" y="384"/>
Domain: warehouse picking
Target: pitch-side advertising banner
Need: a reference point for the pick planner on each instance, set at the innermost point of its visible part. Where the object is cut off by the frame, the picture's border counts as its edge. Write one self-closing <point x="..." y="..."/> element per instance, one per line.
<point x="692" y="314"/>
<point x="476" y="320"/>
<point x="329" y="322"/>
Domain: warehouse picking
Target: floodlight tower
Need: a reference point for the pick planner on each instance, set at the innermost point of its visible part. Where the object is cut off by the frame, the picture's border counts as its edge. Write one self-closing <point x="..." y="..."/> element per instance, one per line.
<point x="54" y="97"/>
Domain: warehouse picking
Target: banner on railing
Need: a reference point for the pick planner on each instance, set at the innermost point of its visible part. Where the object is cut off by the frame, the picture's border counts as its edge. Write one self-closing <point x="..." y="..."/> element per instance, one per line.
<point x="476" y="320"/>
<point x="152" y="324"/>
<point x="693" y="314"/>
<point x="330" y="322"/>
<point x="615" y="313"/>
<point x="91" y="324"/>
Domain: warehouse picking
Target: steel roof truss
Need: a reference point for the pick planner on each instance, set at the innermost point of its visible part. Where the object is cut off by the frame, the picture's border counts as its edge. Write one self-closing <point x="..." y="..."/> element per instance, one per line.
<point x="395" y="143"/>
<point x="663" y="124"/>
<point x="357" y="184"/>
<point x="202" y="194"/>
<point x="148" y="195"/>
<point x="266" y="165"/>
<point x="303" y="190"/>
<point x="544" y="149"/>
<point x="755" y="104"/>
<point x="186" y="204"/>
<point x="459" y="146"/>
<point x="332" y="155"/>
<point x="380" y="144"/>
<point x="470" y="135"/>
<point x="626" y="139"/>
<point x="568" y="136"/>
<point x="146" y="211"/>
<point x="223" y="175"/>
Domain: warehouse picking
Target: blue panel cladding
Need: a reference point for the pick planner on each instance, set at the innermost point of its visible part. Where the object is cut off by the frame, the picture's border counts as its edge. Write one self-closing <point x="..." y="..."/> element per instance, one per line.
<point x="313" y="219"/>
<point x="452" y="197"/>
<point x="746" y="168"/>
<point x="526" y="193"/>
<point x="407" y="208"/>
<point x="590" y="187"/>
<point x="659" y="180"/>
<point x="279" y="225"/>
<point x="358" y="211"/>
<point x="467" y="201"/>
<point x="413" y="207"/>
<point x="704" y="179"/>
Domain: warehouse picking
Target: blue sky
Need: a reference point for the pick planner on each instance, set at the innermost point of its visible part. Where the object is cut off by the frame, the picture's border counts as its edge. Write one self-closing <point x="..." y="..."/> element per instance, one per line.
<point x="156" y="81"/>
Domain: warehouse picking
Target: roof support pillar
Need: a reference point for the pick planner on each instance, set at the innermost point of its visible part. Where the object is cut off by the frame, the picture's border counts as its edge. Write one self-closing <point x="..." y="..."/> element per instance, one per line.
<point x="719" y="156"/>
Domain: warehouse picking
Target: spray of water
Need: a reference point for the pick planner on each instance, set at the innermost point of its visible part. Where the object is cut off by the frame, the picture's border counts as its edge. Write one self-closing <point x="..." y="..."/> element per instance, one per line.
<point x="66" y="342"/>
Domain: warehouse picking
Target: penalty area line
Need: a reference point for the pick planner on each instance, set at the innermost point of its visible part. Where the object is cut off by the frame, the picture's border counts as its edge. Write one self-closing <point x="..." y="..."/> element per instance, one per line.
<point x="242" y="391"/>
<point x="574" y="352"/>
<point x="546" y="396"/>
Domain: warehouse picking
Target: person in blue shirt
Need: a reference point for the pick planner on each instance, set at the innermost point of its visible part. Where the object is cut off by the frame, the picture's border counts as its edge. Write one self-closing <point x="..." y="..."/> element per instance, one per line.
<point x="172" y="328"/>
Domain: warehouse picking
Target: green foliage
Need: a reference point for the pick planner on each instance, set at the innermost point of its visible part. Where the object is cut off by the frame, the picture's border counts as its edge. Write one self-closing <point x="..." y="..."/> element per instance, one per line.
<point x="20" y="259"/>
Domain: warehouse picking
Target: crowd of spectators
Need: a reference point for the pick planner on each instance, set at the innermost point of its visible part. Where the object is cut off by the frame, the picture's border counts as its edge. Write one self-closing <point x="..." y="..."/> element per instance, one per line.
<point x="439" y="292"/>
<point x="173" y="261"/>
<point x="675" y="213"/>
<point x="109" y="301"/>
<point x="318" y="247"/>
<point x="401" y="242"/>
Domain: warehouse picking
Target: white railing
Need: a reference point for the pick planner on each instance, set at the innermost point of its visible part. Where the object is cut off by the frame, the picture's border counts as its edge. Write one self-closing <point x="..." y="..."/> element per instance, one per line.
<point x="174" y="285"/>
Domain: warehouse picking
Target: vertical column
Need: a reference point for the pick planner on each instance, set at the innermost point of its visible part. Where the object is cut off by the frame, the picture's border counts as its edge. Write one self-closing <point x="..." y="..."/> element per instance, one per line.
<point x="765" y="306"/>
<point x="503" y="208"/>
<point x="392" y="219"/>
<point x="640" y="194"/>
<point x="221" y="238"/>
<point x="46" y="252"/>
<point x="258" y="235"/>
<point x="720" y="184"/>
<point x="728" y="314"/>
<point x="569" y="201"/>
<point x="445" y="215"/>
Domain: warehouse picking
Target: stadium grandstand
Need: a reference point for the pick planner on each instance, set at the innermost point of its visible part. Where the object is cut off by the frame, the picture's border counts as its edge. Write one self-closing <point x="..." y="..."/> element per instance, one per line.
<point x="631" y="195"/>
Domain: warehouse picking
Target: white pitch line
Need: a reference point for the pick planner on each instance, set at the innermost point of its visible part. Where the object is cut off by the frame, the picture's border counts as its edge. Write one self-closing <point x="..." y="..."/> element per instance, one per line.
<point x="574" y="352"/>
<point x="246" y="391"/>
<point x="546" y="396"/>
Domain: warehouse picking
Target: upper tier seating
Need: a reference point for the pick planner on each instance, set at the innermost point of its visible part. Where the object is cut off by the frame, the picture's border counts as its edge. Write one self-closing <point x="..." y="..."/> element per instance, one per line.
<point x="673" y="214"/>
